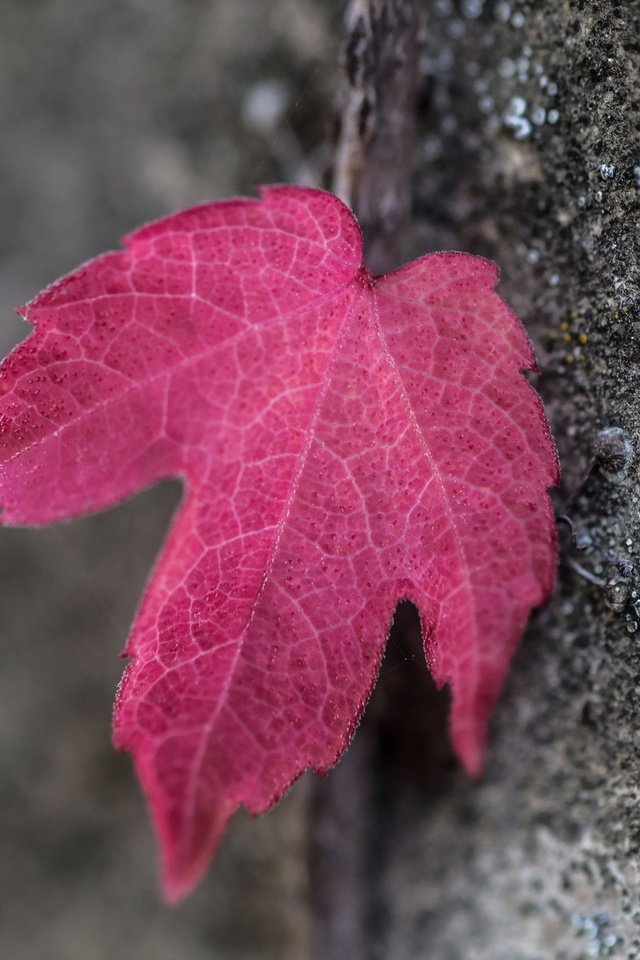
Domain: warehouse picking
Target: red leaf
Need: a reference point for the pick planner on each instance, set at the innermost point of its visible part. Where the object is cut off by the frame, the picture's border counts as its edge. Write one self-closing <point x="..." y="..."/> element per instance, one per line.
<point x="345" y="441"/>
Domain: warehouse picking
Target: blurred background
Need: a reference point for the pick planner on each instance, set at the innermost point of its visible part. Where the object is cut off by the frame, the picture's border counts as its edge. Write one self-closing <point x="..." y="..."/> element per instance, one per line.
<point x="112" y="114"/>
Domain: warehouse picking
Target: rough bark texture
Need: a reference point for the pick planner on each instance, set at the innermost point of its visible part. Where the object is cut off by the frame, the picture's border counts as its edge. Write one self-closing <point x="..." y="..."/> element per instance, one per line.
<point x="372" y="171"/>
<point x="529" y="155"/>
<point x="527" y="151"/>
<point x="374" y="153"/>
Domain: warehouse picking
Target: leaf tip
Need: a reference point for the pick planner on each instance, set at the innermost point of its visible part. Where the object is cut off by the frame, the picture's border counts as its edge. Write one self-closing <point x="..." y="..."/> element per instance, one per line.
<point x="176" y="886"/>
<point x="181" y="870"/>
<point x="469" y="745"/>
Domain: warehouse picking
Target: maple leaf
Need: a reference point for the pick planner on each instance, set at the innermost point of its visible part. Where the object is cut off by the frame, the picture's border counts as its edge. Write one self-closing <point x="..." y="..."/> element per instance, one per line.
<point x="345" y="441"/>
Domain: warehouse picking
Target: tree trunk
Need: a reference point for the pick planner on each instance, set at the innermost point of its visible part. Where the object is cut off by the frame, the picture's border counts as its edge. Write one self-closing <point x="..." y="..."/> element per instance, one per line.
<point x="527" y="153"/>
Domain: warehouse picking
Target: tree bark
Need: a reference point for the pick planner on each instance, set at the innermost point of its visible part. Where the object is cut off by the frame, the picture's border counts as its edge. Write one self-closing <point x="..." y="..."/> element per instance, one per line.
<point x="372" y="173"/>
<point x="526" y="153"/>
<point x="375" y="149"/>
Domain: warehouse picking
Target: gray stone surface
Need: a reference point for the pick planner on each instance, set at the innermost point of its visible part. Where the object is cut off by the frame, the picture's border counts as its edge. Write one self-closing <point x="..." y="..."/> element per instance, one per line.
<point x="528" y="153"/>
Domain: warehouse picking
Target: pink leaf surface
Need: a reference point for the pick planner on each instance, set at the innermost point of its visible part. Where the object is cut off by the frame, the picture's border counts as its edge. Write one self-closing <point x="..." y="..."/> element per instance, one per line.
<point x="345" y="441"/>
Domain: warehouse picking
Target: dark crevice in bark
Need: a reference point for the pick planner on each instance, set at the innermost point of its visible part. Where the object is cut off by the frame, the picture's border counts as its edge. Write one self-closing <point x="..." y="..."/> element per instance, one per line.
<point x="353" y="809"/>
<point x="374" y="153"/>
<point x="399" y="763"/>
